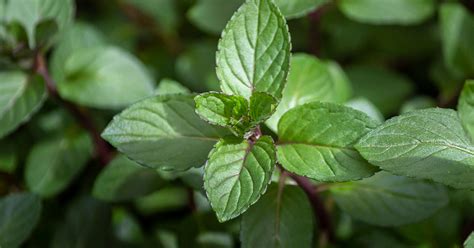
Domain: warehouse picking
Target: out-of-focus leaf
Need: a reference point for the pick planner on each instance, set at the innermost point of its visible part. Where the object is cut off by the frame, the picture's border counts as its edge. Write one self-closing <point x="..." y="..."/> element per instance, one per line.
<point x="386" y="89"/>
<point x="30" y="13"/>
<point x="298" y="8"/>
<point x="254" y="51"/>
<point x="419" y="102"/>
<point x="389" y="200"/>
<point x="124" y="179"/>
<point x="104" y="77"/>
<point x="126" y="227"/>
<point x="196" y="65"/>
<point x="311" y="80"/>
<point x="212" y="15"/>
<point x="8" y="157"/>
<point x="20" y="97"/>
<point x="282" y="218"/>
<point x="19" y="214"/>
<point x="364" y="105"/>
<point x="457" y="34"/>
<point x="164" y="132"/>
<point x="52" y="165"/>
<point x="164" y="12"/>
<point x="377" y="238"/>
<point x="466" y="107"/>
<point x="402" y="12"/>
<point x="162" y="200"/>
<point x="169" y="86"/>
<point x="215" y="240"/>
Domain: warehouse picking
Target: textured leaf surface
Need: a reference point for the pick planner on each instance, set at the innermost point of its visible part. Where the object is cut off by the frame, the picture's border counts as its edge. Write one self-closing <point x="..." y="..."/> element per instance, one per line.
<point x="237" y="174"/>
<point x="282" y="218"/>
<point x="316" y="141"/>
<point x="30" y="13"/>
<point x="52" y="165"/>
<point x="19" y="214"/>
<point x="389" y="200"/>
<point x="221" y="109"/>
<point x="104" y="77"/>
<point x="466" y="108"/>
<point x="254" y="52"/>
<point x="163" y="132"/>
<point x="403" y="12"/>
<point x="124" y="179"/>
<point x="428" y="144"/>
<point x="311" y="80"/>
<point x="20" y="97"/>
<point x="386" y="89"/>
<point x="457" y="35"/>
<point x="261" y="107"/>
<point x="298" y="8"/>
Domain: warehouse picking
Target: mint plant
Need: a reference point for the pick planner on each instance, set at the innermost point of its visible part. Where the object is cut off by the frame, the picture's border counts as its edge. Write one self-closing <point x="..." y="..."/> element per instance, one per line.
<point x="259" y="140"/>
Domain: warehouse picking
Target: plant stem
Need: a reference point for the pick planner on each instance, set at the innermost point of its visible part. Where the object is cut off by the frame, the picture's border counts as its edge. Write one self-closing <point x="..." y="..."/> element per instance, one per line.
<point x="319" y="209"/>
<point x="102" y="149"/>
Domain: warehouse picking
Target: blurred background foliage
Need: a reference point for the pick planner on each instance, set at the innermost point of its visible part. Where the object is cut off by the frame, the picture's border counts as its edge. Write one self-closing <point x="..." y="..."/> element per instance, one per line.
<point x="396" y="58"/>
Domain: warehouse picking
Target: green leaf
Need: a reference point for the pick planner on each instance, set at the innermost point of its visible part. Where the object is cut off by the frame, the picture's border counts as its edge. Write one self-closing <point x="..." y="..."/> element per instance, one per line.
<point x="221" y="109"/>
<point x="30" y="13"/>
<point x="282" y="218"/>
<point x="124" y="179"/>
<point x="262" y="106"/>
<point x="237" y="174"/>
<point x="364" y="105"/>
<point x="466" y="107"/>
<point x="386" y="89"/>
<point x="169" y="86"/>
<point x="165" y="199"/>
<point x="457" y="35"/>
<point x="298" y="8"/>
<point x="316" y="141"/>
<point x="104" y="77"/>
<point x="126" y="227"/>
<point x="254" y="51"/>
<point x="164" y="12"/>
<point x="469" y="243"/>
<point x="427" y="144"/>
<point x="52" y="165"/>
<point x="8" y="157"/>
<point x="403" y="12"/>
<point x="20" y="97"/>
<point x="163" y="132"/>
<point x="419" y="102"/>
<point x="19" y="214"/>
<point x="389" y="200"/>
<point x="311" y="80"/>
<point x="212" y="15"/>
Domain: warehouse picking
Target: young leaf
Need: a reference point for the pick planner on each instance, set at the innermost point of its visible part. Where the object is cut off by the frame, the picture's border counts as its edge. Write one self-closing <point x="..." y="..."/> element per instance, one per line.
<point x="457" y="35"/>
<point x="282" y="218"/>
<point x="262" y="106"/>
<point x="104" y="77"/>
<point x="389" y="200"/>
<point x="163" y="132"/>
<point x="403" y="12"/>
<point x="124" y="179"/>
<point x="237" y="174"/>
<point x="466" y="107"/>
<point x="221" y="109"/>
<point x="298" y="8"/>
<point x="30" y="13"/>
<point x="311" y="80"/>
<point x="169" y="86"/>
<point x="386" y="89"/>
<point x="212" y="15"/>
<point x="20" y="97"/>
<point x="427" y="144"/>
<point x="52" y="165"/>
<point x="254" y="52"/>
<point x="19" y="214"/>
<point x="316" y="141"/>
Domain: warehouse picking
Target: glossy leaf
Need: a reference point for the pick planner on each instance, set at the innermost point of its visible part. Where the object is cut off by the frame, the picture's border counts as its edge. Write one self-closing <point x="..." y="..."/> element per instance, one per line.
<point x="282" y="218"/>
<point x="457" y="35"/>
<point x="20" y="97"/>
<point x="237" y="174"/>
<point x="155" y="131"/>
<point x="19" y="214"/>
<point x="427" y="144"/>
<point x="124" y="179"/>
<point x="311" y="80"/>
<point x="317" y="139"/>
<point x="389" y="200"/>
<point x="402" y="12"/>
<point x="466" y="107"/>
<point x="30" y="13"/>
<point x="298" y="8"/>
<point x="104" y="77"/>
<point x="52" y="165"/>
<point x="261" y="107"/>
<point x="221" y="109"/>
<point x="254" y="51"/>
